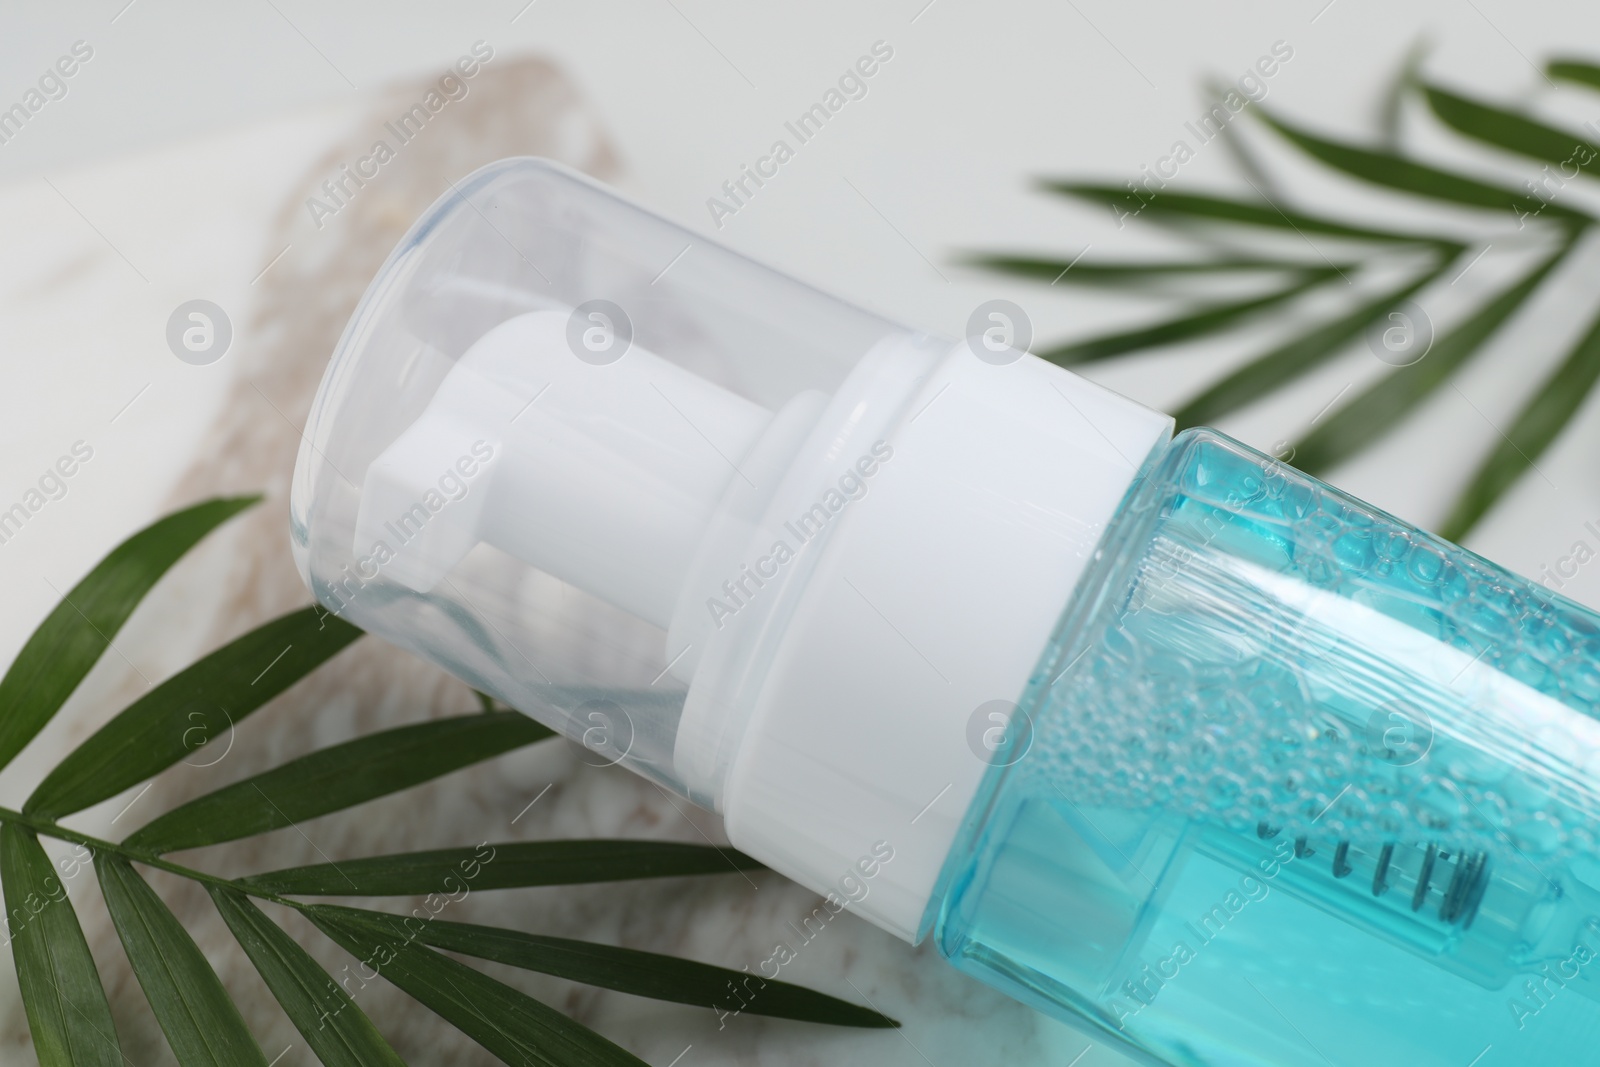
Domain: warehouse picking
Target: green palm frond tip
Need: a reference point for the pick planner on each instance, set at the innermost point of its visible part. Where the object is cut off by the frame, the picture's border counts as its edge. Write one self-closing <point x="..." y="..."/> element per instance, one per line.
<point x="1539" y="211"/>
<point x="69" y="1015"/>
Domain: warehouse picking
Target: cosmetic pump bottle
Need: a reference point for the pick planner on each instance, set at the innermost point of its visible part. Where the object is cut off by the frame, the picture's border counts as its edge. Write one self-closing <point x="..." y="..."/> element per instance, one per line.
<point x="1154" y="733"/>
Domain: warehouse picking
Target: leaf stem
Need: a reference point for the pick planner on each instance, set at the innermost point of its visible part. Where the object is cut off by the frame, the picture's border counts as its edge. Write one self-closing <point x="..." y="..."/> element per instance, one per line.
<point x="50" y="828"/>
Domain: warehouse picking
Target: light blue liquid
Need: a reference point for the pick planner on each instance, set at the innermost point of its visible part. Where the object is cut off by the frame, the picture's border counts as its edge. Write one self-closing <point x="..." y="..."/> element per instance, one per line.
<point x="1303" y="786"/>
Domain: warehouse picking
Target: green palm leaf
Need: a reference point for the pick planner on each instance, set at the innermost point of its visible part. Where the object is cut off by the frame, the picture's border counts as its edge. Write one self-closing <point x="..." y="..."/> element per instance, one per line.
<point x="337" y="778"/>
<point x="1210" y="320"/>
<point x="1294" y="357"/>
<point x="1359" y="423"/>
<point x="336" y="1029"/>
<point x="1378" y="410"/>
<point x="67" y="1010"/>
<point x="512" y="865"/>
<point x="1504" y="129"/>
<point x="644" y="974"/>
<point x="194" y="1012"/>
<point x="1230" y="211"/>
<point x="1404" y="175"/>
<point x="205" y="700"/>
<point x="512" y="1025"/>
<point x="1136" y="273"/>
<point x="72" y="637"/>
<point x="1575" y="71"/>
<point x="1538" y="424"/>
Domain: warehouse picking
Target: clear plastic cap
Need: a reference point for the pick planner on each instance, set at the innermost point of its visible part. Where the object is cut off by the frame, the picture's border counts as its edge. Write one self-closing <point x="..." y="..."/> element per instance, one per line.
<point x="550" y="410"/>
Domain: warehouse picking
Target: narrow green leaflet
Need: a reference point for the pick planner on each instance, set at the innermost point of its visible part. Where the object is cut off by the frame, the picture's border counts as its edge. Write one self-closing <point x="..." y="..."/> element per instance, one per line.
<point x="201" y="1023"/>
<point x="338" y="1032"/>
<point x="454" y="871"/>
<point x="1509" y="130"/>
<point x="197" y="706"/>
<point x="1575" y="71"/>
<point x="1364" y="420"/>
<point x="643" y="974"/>
<point x="1538" y="424"/>
<point x="337" y="778"/>
<point x="68" y="1015"/>
<point x="511" y="1025"/>
<point x="1391" y="111"/>
<point x="74" y="635"/>
<point x="1245" y="156"/>
<point x="1131" y="274"/>
<point x="1290" y="360"/>
<point x="1397" y="172"/>
<point x="1203" y="323"/>
<point x="1168" y="206"/>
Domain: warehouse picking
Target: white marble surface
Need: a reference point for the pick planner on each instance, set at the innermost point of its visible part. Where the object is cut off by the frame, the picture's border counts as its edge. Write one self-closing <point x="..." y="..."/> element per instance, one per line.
<point x="106" y="232"/>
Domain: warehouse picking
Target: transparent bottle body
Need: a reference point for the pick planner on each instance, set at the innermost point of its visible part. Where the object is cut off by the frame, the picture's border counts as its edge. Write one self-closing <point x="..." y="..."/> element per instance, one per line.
<point x="1297" y="784"/>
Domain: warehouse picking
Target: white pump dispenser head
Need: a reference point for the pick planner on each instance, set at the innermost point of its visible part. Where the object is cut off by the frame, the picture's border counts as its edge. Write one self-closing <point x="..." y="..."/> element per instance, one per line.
<point x="797" y="562"/>
<point x="601" y="474"/>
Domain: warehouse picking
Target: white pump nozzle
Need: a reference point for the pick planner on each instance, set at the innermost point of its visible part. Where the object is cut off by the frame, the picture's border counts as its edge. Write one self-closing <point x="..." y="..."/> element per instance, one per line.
<point x="602" y="475"/>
